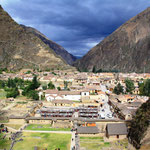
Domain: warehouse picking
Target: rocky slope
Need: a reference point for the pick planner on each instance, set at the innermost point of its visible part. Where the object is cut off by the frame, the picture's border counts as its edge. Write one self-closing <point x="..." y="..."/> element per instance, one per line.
<point x="127" y="49"/>
<point x="139" y="132"/>
<point x="59" y="50"/>
<point x="20" y="48"/>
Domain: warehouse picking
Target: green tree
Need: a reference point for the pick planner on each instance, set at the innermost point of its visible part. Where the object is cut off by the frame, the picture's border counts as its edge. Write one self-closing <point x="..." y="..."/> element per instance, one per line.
<point x="33" y="94"/>
<point x="58" y="88"/>
<point x="44" y="87"/>
<point x="51" y="85"/>
<point x="11" y="83"/>
<point x="129" y="85"/>
<point x="35" y="84"/>
<point x="139" y="124"/>
<point x="118" y="89"/>
<point x="2" y="84"/>
<point x="145" y="88"/>
<point x="13" y="93"/>
<point x="29" y="90"/>
<point x="94" y="69"/>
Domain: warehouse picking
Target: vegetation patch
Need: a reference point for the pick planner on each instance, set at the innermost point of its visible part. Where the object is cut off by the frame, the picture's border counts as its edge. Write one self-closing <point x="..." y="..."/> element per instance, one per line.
<point x="139" y="124"/>
<point x="41" y="127"/>
<point x="97" y="143"/>
<point x="51" y="141"/>
<point x="2" y="94"/>
<point x="4" y="143"/>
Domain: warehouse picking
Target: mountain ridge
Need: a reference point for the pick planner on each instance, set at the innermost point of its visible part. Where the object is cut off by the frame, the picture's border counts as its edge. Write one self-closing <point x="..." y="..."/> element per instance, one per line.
<point x="20" y="48"/>
<point x="59" y="50"/>
<point x="127" y="49"/>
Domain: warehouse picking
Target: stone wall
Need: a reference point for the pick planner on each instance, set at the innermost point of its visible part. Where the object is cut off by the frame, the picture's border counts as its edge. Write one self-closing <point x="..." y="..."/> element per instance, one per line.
<point x="40" y="121"/>
<point x="17" y="121"/>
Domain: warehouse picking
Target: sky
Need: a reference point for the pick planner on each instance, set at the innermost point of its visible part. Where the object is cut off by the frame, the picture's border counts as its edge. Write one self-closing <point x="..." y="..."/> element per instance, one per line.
<point x="77" y="25"/>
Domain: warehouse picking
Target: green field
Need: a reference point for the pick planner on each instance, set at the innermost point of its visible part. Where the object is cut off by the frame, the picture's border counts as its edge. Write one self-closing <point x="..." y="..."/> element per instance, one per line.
<point x="4" y="120"/>
<point x="51" y="141"/>
<point x="42" y="127"/>
<point x="2" y="94"/>
<point x="4" y="143"/>
<point x="97" y="143"/>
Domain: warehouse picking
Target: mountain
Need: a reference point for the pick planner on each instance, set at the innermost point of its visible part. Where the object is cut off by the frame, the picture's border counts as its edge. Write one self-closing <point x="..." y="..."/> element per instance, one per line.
<point x="20" y="48"/>
<point x="59" y="50"/>
<point x="127" y="49"/>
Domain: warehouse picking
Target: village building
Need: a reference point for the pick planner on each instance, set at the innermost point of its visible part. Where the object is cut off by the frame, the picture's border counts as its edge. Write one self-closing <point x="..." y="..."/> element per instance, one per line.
<point x="116" y="131"/>
<point x="87" y="130"/>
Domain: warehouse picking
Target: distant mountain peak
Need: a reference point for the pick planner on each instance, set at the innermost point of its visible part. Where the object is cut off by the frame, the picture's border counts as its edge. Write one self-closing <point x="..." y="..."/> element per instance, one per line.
<point x="59" y="50"/>
<point x="20" y="48"/>
<point x="127" y="49"/>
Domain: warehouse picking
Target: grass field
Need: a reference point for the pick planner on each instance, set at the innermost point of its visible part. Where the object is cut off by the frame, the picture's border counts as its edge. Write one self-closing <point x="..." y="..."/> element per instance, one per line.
<point x="50" y="141"/>
<point x="42" y="127"/>
<point x="3" y="121"/>
<point x="2" y="94"/>
<point x="97" y="143"/>
<point x="4" y="143"/>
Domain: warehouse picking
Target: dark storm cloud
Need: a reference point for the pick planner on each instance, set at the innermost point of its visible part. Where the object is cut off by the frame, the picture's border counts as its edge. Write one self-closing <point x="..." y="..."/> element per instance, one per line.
<point x="77" y="25"/>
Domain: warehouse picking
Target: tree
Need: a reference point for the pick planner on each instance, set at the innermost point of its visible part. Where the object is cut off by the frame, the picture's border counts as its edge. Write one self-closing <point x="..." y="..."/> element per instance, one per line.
<point x="51" y="85"/>
<point x="58" y="88"/>
<point x="94" y="69"/>
<point x="13" y="93"/>
<point x="33" y="94"/>
<point x="145" y="88"/>
<point x="129" y="85"/>
<point x="118" y="89"/>
<point x="11" y="83"/>
<point x="139" y="124"/>
<point x="29" y="90"/>
<point x="32" y="86"/>
<point x="44" y="87"/>
<point x="35" y="84"/>
<point x="2" y="84"/>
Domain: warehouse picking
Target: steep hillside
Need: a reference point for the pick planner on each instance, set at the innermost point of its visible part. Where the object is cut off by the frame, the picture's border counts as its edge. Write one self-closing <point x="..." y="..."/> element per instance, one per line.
<point x="139" y="133"/>
<point x="126" y="50"/>
<point x="22" y="49"/>
<point x="59" y="50"/>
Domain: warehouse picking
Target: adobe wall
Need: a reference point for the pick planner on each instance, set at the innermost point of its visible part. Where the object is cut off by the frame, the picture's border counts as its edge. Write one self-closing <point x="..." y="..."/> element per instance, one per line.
<point x="113" y="138"/>
<point x="40" y="121"/>
<point x="17" y="121"/>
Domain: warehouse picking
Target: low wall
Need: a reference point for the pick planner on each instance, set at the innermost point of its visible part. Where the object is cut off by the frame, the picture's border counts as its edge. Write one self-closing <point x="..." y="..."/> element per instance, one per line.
<point x="17" y="121"/>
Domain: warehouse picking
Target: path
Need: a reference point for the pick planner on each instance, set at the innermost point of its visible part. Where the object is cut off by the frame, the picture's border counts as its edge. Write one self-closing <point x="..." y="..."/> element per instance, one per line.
<point x="73" y="141"/>
<point x="11" y="129"/>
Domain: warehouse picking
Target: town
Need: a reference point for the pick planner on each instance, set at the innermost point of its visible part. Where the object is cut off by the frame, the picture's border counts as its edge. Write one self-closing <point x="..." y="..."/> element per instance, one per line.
<point x="83" y="110"/>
